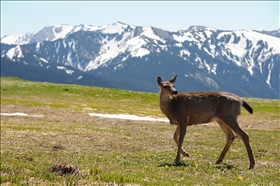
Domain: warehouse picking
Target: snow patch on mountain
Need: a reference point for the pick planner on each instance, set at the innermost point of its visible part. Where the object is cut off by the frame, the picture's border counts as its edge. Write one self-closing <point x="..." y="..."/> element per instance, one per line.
<point x="49" y="33"/>
<point x="244" y="44"/>
<point x="270" y="67"/>
<point x="184" y="53"/>
<point x="111" y="47"/>
<point x="149" y="32"/>
<point x="136" y="47"/>
<point x="15" y="52"/>
<point x="114" y="28"/>
<point x="57" y="47"/>
<point x="61" y="31"/>
<point x="17" y="39"/>
<point x="44" y="60"/>
<point x="184" y="36"/>
<point x="66" y="70"/>
<point x="38" y="46"/>
<point x="140" y="52"/>
<point x="208" y="52"/>
<point x="209" y="32"/>
<point x="84" y="28"/>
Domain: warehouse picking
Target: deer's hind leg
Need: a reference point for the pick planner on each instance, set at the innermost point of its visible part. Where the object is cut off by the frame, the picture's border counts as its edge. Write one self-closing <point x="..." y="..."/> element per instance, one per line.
<point x="230" y="138"/>
<point x="233" y="124"/>
<point x="176" y="139"/>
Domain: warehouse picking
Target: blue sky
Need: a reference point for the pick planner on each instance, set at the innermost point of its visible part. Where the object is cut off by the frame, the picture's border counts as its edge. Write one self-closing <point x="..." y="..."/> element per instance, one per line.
<point x="23" y="17"/>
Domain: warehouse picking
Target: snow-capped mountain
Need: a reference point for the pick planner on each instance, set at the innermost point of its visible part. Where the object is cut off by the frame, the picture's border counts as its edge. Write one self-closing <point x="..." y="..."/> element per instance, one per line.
<point x="49" y="33"/>
<point x="245" y="62"/>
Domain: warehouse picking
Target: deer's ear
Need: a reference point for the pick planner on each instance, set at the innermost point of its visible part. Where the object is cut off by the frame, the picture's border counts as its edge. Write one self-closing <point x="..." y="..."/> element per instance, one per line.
<point x="159" y="80"/>
<point x="172" y="80"/>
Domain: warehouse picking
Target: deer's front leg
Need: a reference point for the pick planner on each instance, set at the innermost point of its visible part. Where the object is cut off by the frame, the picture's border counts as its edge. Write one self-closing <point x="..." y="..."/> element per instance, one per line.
<point x="176" y="139"/>
<point x="182" y="132"/>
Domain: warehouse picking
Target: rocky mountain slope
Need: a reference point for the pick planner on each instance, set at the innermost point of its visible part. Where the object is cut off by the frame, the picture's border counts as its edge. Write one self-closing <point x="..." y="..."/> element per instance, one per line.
<point x="245" y="62"/>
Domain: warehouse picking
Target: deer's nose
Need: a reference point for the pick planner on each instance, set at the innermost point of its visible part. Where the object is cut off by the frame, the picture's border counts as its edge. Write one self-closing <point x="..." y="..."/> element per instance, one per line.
<point x="175" y="92"/>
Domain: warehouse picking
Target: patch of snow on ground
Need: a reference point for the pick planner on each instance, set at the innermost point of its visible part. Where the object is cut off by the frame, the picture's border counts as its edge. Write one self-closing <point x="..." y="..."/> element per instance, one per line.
<point x="20" y="114"/>
<point x="128" y="117"/>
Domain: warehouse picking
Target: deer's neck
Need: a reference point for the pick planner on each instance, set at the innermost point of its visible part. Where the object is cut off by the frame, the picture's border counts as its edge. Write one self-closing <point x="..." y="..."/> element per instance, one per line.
<point x="165" y="104"/>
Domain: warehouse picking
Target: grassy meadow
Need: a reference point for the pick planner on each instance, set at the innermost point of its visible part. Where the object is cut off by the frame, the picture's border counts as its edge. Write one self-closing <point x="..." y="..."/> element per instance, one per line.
<point x="68" y="147"/>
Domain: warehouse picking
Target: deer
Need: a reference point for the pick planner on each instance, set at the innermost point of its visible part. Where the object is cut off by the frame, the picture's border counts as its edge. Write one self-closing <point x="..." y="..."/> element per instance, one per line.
<point x="193" y="108"/>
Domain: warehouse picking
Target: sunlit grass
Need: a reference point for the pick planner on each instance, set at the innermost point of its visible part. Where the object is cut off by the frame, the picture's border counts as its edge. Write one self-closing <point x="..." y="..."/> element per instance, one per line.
<point x="105" y="100"/>
<point x="114" y="153"/>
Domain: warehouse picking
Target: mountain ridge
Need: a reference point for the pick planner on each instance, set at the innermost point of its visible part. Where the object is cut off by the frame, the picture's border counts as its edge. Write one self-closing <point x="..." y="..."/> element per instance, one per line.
<point x="202" y="55"/>
<point x="68" y="29"/>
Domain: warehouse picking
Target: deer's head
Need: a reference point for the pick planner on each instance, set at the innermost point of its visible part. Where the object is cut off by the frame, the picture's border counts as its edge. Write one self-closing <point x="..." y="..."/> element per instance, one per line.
<point x="167" y="88"/>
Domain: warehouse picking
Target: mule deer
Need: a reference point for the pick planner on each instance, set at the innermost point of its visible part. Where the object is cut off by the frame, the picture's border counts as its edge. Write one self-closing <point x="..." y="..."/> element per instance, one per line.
<point x="183" y="109"/>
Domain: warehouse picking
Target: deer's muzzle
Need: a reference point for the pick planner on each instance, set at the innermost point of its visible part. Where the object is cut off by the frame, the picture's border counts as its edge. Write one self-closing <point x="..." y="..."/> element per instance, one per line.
<point x="175" y="92"/>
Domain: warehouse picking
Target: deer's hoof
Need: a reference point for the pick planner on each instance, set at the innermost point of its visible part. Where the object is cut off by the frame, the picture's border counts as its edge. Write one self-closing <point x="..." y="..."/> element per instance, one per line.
<point x="218" y="161"/>
<point x="177" y="162"/>
<point x="251" y="166"/>
<point x="185" y="154"/>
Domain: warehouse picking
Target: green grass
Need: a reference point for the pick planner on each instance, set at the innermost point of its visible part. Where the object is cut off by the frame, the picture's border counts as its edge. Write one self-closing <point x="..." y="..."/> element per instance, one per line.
<point x="75" y="97"/>
<point x="103" y="100"/>
<point x="265" y="105"/>
<point x="122" y="151"/>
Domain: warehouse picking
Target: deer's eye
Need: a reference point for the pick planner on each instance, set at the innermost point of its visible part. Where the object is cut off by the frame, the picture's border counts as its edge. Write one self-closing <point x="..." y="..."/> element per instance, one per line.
<point x="165" y="86"/>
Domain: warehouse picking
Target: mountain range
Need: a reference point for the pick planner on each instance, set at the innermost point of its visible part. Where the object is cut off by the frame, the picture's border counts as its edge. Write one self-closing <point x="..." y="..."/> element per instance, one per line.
<point x="119" y="55"/>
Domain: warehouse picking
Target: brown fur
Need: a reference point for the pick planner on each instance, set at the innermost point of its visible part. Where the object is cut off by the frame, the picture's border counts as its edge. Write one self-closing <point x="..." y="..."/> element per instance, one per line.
<point x="185" y="109"/>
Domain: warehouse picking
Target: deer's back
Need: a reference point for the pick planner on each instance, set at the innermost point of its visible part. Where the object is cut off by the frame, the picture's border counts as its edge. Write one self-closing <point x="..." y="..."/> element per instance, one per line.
<point x="202" y="107"/>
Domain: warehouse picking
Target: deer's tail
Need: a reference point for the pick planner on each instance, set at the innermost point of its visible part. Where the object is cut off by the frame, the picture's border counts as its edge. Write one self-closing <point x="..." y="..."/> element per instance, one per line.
<point x="247" y="107"/>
